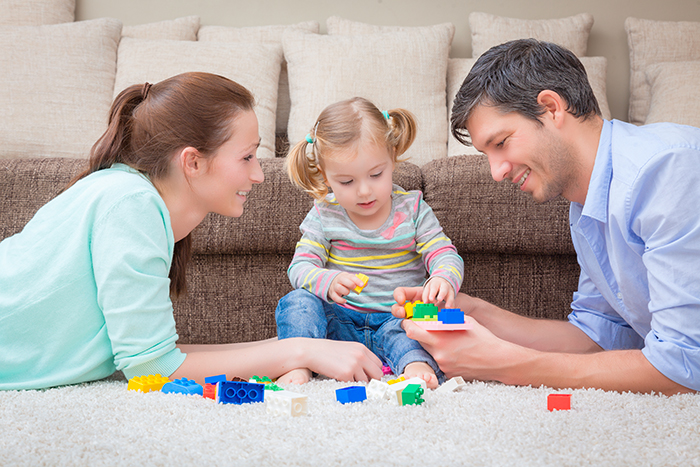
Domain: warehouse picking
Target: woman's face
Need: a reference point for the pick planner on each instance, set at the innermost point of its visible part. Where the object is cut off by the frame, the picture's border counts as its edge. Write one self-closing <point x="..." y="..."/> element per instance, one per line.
<point x="233" y="169"/>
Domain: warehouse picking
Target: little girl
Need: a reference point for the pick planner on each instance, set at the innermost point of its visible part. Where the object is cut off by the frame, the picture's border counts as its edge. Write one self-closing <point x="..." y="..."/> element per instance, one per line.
<point x="369" y="226"/>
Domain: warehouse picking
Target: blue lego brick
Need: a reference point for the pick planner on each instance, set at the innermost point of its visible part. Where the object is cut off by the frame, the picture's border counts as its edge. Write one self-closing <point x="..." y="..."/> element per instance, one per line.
<point x="183" y="386"/>
<point x="451" y="316"/>
<point x="351" y="394"/>
<point x="214" y="379"/>
<point x="239" y="392"/>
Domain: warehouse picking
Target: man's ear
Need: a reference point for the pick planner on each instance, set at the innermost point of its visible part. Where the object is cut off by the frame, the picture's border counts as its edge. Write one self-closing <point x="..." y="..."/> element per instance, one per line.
<point x="553" y="105"/>
<point x="192" y="163"/>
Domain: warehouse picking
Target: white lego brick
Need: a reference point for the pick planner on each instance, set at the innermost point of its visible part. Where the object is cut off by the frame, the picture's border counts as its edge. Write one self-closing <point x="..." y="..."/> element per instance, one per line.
<point x="378" y="390"/>
<point x="286" y="403"/>
<point x="453" y="384"/>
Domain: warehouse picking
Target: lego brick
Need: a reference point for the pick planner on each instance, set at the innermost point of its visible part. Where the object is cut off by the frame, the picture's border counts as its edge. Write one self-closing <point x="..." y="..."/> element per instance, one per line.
<point x="260" y="379"/>
<point x="438" y="326"/>
<point x="364" y="280"/>
<point x="239" y="392"/>
<point x="397" y="380"/>
<point x="183" y="386"/>
<point x="209" y="391"/>
<point x="147" y="383"/>
<point x="214" y="379"/>
<point x="286" y="403"/>
<point x="558" y="402"/>
<point x="378" y="390"/>
<point x="452" y="385"/>
<point x="425" y="311"/>
<point x="386" y="369"/>
<point x="351" y="394"/>
<point x="409" y="306"/>
<point x="451" y="316"/>
<point x="411" y="395"/>
<point x="396" y="389"/>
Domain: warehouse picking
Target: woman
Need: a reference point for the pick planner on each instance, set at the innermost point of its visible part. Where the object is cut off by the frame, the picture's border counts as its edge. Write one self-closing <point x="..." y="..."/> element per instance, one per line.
<point x="85" y="288"/>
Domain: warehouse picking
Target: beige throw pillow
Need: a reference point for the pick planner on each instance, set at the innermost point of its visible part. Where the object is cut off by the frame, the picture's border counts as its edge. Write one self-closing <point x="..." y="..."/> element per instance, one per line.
<point x="36" y="12"/>
<point x="458" y="69"/>
<point x="675" y="93"/>
<point x="57" y="84"/>
<point x="269" y="35"/>
<point x="337" y="25"/>
<point x="490" y="30"/>
<point x="398" y="69"/>
<point x="655" y="42"/>
<point x="180" y="29"/>
<point x="254" y="66"/>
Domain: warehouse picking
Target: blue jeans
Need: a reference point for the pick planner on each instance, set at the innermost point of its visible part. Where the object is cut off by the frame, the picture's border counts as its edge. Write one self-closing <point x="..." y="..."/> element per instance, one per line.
<point x="302" y="314"/>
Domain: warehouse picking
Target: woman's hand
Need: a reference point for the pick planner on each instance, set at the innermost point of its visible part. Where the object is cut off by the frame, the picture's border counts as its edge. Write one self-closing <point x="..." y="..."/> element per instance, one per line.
<point x="344" y="361"/>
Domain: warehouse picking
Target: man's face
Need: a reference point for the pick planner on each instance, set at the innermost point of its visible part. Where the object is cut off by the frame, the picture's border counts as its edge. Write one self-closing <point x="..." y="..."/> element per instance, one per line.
<point x="532" y="156"/>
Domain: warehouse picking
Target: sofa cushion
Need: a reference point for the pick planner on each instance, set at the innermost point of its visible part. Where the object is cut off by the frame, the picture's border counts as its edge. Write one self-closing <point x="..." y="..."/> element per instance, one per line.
<point x="57" y="84"/>
<point x="27" y="184"/>
<point x="490" y="30"/>
<point x="398" y="69"/>
<point x="179" y="29"/>
<point x="653" y="42"/>
<point x="270" y="35"/>
<point x="36" y="12"/>
<point x="675" y="93"/>
<point x="273" y="227"/>
<point x="480" y="215"/>
<point x="458" y="69"/>
<point x="254" y="66"/>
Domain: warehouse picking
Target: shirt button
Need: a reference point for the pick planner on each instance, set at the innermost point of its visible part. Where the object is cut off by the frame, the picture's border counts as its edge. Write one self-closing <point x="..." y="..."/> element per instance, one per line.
<point x="619" y="295"/>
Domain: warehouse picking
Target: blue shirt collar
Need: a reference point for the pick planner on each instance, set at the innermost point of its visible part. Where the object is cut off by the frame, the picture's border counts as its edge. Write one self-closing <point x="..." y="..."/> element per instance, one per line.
<point x="596" y="204"/>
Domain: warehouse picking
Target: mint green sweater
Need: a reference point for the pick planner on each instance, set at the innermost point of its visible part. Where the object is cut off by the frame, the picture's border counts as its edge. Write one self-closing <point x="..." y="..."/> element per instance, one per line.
<point x="84" y="288"/>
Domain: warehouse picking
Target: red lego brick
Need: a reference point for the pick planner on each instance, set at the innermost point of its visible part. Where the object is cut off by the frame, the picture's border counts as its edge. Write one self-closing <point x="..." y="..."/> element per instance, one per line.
<point x="558" y="402"/>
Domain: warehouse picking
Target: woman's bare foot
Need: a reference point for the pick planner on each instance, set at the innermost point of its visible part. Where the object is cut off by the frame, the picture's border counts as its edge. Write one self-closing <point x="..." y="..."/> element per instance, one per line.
<point x="420" y="370"/>
<point x="298" y="376"/>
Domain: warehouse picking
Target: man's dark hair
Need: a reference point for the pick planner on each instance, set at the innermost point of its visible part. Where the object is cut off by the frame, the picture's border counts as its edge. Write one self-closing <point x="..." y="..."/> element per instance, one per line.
<point x="510" y="76"/>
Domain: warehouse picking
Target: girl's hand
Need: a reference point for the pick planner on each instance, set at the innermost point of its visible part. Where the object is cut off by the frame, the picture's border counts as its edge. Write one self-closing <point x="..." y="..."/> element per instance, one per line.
<point x="342" y="285"/>
<point x="438" y="290"/>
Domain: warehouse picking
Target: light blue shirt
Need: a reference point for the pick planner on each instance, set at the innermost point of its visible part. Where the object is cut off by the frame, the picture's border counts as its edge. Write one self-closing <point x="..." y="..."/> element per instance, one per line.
<point x="637" y="238"/>
<point x="84" y="288"/>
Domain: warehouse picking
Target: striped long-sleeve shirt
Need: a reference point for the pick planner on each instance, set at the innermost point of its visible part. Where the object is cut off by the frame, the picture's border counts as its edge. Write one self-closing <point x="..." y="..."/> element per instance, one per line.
<point x="406" y="250"/>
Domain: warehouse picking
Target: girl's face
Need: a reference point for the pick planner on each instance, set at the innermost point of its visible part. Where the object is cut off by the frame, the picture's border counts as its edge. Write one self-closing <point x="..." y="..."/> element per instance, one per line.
<point x="362" y="184"/>
<point x="233" y="169"/>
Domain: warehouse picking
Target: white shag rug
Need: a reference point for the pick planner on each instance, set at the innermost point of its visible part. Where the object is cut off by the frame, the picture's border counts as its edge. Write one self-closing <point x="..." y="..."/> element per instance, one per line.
<point x="482" y="424"/>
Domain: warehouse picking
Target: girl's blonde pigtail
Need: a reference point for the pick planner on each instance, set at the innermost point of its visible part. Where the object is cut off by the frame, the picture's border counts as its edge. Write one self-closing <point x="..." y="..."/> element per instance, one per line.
<point x="304" y="171"/>
<point x="403" y="128"/>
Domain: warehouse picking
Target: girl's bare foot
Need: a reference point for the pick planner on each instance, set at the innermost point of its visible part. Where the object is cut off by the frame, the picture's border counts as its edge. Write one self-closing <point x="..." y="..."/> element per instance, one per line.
<point x="298" y="376"/>
<point x="421" y="370"/>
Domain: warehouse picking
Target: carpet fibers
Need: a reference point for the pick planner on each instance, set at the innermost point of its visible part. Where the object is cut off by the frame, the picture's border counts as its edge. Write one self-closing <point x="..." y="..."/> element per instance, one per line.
<point x="482" y="424"/>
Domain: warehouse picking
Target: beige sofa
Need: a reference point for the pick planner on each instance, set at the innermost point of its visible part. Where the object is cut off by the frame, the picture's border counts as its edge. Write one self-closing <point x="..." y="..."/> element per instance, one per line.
<point x="59" y="77"/>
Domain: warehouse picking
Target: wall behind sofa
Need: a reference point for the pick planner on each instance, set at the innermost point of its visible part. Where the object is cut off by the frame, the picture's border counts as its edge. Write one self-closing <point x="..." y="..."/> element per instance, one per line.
<point x="608" y="37"/>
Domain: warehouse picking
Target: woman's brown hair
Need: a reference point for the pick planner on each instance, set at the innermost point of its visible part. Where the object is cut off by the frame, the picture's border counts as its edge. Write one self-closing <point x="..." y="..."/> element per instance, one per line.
<point x="149" y="124"/>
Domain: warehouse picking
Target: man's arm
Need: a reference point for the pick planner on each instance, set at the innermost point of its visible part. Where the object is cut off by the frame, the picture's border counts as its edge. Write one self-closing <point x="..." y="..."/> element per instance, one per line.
<point x="513" y="349"/>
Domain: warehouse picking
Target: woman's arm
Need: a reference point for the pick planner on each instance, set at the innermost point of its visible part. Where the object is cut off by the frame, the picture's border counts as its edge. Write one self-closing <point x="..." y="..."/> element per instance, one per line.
<point x="344" y="361"/>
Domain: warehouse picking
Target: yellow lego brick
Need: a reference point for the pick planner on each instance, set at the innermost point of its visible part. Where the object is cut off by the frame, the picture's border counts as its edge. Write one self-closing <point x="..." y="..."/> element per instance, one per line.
<point x="397" y="380"/>
<point x="147" y="383"/>
<point x="408" y="306"/>
<point x="364" y="280"/>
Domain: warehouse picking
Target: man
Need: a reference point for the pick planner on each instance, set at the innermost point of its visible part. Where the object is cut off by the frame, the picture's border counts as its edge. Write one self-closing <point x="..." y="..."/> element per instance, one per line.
<point x="634" y="192"/>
